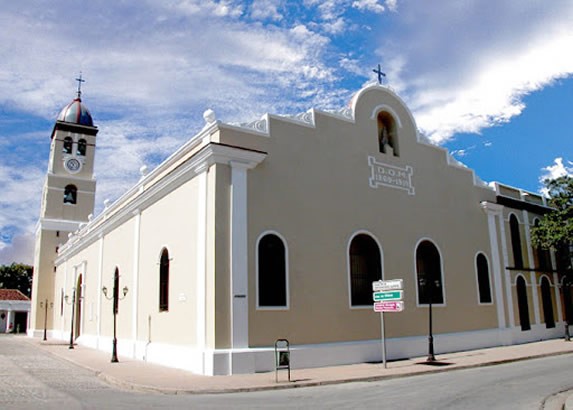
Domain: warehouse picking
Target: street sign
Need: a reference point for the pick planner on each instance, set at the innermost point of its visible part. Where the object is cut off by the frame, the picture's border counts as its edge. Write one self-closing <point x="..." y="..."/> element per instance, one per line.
<point x="388" y="295"/>
<point x="392" y="295"/>
<point x="396" y="306"/>
<point x="382" y="285"/>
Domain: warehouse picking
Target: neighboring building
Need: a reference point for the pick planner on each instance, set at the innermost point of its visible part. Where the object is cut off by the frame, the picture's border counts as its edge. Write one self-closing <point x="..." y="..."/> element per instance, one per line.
<point x="277" y="229"/>
<point x="14" y="309"/>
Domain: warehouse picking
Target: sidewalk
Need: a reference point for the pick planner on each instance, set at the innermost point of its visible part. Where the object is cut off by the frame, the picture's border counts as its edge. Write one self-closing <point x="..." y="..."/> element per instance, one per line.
<point x="142" y="376"/>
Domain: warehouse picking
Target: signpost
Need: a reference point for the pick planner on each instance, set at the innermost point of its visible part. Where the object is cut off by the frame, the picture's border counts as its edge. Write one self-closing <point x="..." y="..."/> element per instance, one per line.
<point x="387" y="296"/>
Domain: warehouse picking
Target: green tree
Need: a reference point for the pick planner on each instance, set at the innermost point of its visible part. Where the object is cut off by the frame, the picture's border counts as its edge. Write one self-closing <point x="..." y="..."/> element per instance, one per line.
<point x="16" y="276"/>
<point x="556" y="228"/>
<point x="555" y="231"/>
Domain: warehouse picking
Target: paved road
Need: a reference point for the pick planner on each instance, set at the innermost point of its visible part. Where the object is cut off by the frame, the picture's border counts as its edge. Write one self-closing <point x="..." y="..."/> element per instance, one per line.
<point x="30" y="379"/>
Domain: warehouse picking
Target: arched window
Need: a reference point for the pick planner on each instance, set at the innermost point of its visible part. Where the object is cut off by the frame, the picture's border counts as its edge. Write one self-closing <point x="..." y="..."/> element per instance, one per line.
<point x="272" y="272"/>
<point x="70" y="194"/>
<point x="68" y="143"/>
<point x="365" y="268"/>
<point x="387" y="135"/>
<point x="429" y="274"/>
<point x="515" y="241"/>
<point x="522" y="303"/>
<point x="82" y="145"/>
<point x="164" y="281"/>
<point x="547" y="303"/>
<point x="483" y="279"/>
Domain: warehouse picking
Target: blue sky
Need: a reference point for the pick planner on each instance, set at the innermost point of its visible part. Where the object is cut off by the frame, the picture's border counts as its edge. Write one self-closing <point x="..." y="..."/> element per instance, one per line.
<point x="492" y="82"/>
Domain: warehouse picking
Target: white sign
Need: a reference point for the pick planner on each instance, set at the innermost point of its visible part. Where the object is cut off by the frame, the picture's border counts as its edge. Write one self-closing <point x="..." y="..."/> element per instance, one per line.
<point x="390" y="176"/>
<point x="383" y="285"/>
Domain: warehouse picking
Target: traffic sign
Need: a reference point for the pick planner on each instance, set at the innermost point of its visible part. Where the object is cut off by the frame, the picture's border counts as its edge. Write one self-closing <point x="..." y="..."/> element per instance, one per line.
<point x="382" y="285"/>
<point x="396" y="306"/>
<point x="392" y="295"/>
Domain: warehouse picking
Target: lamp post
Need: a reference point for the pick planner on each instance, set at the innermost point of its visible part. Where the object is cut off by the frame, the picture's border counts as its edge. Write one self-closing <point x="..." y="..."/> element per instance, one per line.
<point x="430" y="285"/>
<point x="71" y="346"/>
<point x="46" y="317"/>
<point x="115" y="297"/>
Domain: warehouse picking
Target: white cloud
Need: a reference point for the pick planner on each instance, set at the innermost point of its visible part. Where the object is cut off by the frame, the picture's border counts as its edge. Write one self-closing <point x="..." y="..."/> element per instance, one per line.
<point x="198" y="7"/>
<point x="369" y="5"/>
<point x="266" y="9"/>
<point x="335" y="26"/>
<point x="392" y="5"/>
<point x="351" y="65"/>
<point x="459" y="153"/>
<point x="558" y="169"/>
<point x="170" y="62"/>
<point x="20" y="250"/>
<point x="21" y="188"/>
<point x="466" y="67"/>
<point x="330" y="9"/>
<point x="125" y="148"/>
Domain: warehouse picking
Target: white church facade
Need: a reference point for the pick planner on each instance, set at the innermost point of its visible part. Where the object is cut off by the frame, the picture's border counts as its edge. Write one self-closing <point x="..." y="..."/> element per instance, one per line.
<point x="276" y="230"/>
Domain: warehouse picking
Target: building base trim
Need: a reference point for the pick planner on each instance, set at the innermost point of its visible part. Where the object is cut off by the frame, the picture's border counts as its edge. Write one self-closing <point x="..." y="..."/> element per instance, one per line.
<point x="215" y="362"/>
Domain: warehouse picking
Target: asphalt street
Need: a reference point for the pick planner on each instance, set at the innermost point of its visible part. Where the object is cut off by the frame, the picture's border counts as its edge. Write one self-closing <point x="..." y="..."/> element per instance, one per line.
<point x="32" y="378"/>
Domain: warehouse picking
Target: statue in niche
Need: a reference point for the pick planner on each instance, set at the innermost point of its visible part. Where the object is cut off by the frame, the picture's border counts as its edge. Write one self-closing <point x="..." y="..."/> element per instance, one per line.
<point x="386" y="134"/>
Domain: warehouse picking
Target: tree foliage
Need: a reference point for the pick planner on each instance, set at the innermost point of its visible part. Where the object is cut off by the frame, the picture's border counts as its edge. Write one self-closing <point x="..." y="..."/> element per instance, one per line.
<point x="16" y="276"/>
<point x="555" y="230"/>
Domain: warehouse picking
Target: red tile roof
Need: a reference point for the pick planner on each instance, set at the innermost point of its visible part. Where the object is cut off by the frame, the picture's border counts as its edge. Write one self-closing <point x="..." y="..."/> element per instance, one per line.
<point x="12" y="294"/>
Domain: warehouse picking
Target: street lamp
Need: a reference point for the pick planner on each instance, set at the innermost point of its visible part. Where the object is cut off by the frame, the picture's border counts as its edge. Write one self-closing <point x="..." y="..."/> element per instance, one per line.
<point x="430" y="285"/>
<point x="71" y="346"/>
<point x="45" y="305"/>
<point x="116" y="300"/>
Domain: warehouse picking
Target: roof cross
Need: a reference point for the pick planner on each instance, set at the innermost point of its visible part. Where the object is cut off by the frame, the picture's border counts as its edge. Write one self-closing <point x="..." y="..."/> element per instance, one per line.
<point x="380" y="74"/>
<point x="80" y="81"/>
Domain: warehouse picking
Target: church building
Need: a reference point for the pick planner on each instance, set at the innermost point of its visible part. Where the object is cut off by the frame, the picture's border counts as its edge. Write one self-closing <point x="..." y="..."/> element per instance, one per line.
<point x="277" y="229"/>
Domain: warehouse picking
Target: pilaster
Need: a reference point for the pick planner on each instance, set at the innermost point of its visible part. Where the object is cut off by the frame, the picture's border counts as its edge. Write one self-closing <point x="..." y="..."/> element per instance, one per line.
<point x="201" y="259"/>
<point x="532" y="274"/>
<point x="493" y="210"/>
<point x="135" y="284"/>
<point x="505" y="260"/>
<point x="239" y="261"/>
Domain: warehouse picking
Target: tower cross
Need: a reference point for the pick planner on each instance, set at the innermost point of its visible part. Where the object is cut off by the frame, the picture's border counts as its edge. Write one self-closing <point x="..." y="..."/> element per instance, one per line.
<point x="380" y="74"/>
<point x="80" y="81"/>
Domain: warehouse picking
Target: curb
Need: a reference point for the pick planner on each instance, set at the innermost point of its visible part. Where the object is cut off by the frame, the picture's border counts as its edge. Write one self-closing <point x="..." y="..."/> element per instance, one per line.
<point x="293" y="385"/>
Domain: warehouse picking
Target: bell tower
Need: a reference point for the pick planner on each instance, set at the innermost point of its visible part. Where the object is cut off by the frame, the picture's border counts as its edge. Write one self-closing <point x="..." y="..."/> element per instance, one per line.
<point x="67" y="201"/>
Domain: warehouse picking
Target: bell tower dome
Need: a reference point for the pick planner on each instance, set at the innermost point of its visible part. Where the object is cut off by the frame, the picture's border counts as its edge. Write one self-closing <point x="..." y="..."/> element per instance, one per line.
<point x="67" y="199"/>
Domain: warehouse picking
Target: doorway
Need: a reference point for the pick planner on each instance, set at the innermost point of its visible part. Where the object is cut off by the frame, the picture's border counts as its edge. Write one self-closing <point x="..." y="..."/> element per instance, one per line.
<point x="522" y="303"/>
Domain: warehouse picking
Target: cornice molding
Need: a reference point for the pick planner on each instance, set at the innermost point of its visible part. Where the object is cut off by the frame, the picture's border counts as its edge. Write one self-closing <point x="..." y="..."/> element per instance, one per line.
<point x="58" y="224"/>
<point x="491" y="208"/>
<point x="123" y="209"/>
